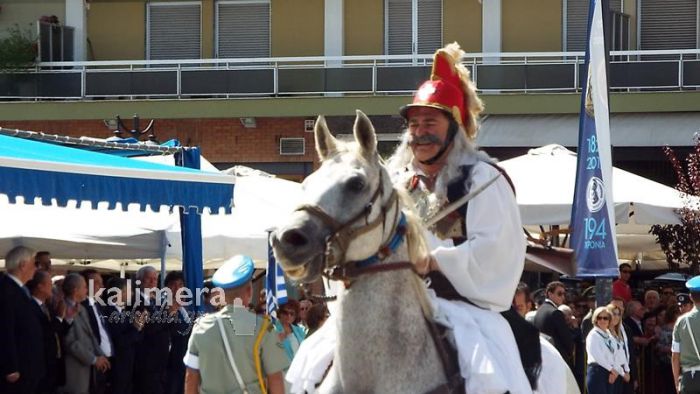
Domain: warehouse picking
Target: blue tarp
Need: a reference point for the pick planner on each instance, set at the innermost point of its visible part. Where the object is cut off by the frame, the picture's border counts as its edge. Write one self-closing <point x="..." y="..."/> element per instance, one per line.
<point x="31" y="169"/>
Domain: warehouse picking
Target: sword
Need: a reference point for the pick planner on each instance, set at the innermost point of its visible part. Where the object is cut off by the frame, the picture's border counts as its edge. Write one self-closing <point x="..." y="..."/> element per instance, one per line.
<point x="463" y="200"/>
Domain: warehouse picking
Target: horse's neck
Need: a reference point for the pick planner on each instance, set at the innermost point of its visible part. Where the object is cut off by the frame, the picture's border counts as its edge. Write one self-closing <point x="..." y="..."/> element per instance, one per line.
<point x="381" y="329"/>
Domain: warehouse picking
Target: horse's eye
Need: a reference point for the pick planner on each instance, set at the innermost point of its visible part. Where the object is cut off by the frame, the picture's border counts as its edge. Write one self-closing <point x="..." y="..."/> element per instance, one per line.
<point x="355" y="184"/>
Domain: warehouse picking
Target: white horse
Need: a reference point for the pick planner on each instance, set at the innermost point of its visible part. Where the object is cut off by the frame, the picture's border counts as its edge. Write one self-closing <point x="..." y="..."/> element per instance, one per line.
<point x="357" y="228"/>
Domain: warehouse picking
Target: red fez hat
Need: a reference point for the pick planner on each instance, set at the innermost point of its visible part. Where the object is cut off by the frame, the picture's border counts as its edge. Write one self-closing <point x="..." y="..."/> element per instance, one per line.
<point x="443" y="91"/>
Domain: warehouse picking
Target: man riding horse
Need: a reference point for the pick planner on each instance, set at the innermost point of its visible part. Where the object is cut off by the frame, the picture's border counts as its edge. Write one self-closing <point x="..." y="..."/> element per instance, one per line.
<point x="477" y="253"/>
<point x="478" y="250"/>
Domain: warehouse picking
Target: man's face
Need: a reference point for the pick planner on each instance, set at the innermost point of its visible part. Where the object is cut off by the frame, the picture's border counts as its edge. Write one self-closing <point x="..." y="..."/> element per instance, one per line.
<point x="176" y="285"/>
<point x="81" y="291"/>
<point x="427" y="128"/>
<point x="625" y="273"/>
<point x="44" y="262"/>
<point x="520" y="303"/>
<point x="651" y="300"/>
<point x="558" y="296"/>
<point x="27" y="269"/>
<point x="44" y="289"/>
<point x="685" y="308"/>
<point x="304" y="307"/>
<point x="97" y="282"/>
<point x="150" y="278"/>
<point x="639" y="311"/>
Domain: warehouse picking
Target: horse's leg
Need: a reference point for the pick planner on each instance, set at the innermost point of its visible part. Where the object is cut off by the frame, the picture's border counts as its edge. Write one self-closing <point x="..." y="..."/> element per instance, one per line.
<point x="331" y="383"/>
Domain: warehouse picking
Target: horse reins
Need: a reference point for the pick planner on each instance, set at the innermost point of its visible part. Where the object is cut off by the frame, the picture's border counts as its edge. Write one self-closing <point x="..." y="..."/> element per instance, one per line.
<point x="342" y="234"/>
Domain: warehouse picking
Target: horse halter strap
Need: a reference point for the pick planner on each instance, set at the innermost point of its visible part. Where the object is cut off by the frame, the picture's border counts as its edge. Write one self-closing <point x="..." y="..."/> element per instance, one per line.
<point x="342" y="234"/>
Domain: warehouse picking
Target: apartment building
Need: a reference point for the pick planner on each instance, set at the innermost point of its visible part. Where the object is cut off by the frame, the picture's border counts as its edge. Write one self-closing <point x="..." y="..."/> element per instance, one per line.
<point x="244" y="79"/>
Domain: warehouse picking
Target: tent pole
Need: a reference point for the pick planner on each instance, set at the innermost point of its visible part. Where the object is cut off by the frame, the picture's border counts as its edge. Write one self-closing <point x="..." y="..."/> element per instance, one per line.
<point x="163" y="246"/>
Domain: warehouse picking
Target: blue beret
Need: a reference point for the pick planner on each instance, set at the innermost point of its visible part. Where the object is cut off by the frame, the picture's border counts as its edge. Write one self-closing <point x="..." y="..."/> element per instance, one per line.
<point x="235" y="272"/>
<point x="693" y="284"/>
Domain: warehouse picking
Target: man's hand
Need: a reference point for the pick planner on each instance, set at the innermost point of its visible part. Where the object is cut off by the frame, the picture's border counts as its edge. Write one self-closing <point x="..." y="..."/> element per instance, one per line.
<point x="13" y="377"/>
<point x="102" y="364"/>
<point x="627" y="377"/>
<point x="427" y="264"/>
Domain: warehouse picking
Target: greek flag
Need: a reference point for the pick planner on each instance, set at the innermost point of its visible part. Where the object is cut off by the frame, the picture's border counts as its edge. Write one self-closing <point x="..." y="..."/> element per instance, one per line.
<point x="275" y="287"/>
<point x="592" y="217"/>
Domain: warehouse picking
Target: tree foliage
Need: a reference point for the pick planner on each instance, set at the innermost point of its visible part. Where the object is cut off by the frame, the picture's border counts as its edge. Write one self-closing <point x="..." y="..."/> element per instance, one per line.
<point x="18" y="49"/>
<point x="681" y="242"/>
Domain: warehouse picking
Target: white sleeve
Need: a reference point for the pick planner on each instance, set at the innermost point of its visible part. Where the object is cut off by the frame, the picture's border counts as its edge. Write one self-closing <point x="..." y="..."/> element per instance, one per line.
<point x="621" y="359"/>
<point x="487" y="267"/>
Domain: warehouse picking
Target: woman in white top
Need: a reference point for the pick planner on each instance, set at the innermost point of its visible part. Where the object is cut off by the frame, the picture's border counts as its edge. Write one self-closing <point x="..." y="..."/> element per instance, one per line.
<point x="622" y="365"/>
<point x="600" y="346"/>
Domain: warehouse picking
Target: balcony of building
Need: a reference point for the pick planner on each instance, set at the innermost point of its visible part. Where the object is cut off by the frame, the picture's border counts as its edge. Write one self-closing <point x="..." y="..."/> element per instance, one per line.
<point x="341" y="76"/>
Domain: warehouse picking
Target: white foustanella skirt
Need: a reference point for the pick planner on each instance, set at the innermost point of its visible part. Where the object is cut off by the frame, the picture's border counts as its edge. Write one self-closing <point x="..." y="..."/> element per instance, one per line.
<point x="488" y="355"/>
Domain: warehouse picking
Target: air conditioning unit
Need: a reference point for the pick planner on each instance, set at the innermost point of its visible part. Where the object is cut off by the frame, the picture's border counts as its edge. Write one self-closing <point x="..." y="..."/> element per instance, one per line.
<point x="292" y="146"/>
<point x="309" y="125"/>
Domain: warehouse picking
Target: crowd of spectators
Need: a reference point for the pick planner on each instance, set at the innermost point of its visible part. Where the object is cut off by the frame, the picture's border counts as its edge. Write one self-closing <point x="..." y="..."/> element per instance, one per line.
<point x="638" y="331"/>
<point x="84" y="333"/>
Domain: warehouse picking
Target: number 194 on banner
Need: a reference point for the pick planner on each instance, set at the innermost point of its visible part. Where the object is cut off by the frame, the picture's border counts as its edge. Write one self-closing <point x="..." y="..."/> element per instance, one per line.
<point x="595" y="233"/>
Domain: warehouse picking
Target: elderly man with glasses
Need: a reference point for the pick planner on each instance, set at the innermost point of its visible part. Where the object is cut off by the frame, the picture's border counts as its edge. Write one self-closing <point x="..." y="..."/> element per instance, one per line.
<point x="551" y="321"/>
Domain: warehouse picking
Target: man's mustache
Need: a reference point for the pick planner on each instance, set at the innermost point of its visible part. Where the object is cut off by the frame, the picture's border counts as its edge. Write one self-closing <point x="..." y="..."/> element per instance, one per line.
<point x="424" y="139"/>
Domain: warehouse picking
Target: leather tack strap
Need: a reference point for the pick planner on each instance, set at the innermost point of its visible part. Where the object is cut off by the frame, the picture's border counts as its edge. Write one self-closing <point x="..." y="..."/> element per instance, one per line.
<point x="352" y="271"/>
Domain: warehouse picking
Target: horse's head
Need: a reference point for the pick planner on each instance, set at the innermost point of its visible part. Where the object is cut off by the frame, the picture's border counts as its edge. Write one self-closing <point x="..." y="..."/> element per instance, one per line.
<point x="346" y="202"/>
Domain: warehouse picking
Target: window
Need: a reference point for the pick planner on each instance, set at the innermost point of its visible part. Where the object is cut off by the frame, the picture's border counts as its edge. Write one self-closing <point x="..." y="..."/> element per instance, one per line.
<point x="668" y="24"/>
<point x="576" y="25"/>
<point x="173" y="31"/>
<point x="412" y="26"/>
<point x="243" y="29"/>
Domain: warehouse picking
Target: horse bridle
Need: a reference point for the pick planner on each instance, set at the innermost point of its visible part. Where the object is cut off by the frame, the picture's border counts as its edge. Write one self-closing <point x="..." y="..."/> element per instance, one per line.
<point x="342" y="234"/>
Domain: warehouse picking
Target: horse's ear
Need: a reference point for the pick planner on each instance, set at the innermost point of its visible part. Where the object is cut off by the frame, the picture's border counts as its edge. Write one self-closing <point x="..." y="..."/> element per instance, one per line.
<point x="325" y="142"/>
<point x="364" y="134"/>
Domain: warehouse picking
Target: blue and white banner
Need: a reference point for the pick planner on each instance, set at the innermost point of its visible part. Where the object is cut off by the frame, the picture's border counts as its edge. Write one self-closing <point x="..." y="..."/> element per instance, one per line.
<point x="275" y="286"/>
<point x="592" y="217"/>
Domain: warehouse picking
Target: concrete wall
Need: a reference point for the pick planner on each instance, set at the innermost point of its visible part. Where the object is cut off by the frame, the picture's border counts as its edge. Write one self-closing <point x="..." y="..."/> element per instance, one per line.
<point x="25" y="13"/>
<point x="533" y="25"/>
<point x="117" y="30"/>
<point x="297" y="28"/>
<point x="461" y="22"/>
<point x="364" y="27"/>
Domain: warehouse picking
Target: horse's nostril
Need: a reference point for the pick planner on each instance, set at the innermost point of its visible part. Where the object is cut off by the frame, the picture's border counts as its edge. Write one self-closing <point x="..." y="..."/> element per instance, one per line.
<point x="294" y="238"/>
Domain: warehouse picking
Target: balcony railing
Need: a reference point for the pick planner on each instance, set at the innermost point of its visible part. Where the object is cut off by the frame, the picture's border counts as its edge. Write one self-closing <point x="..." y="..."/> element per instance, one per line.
<point x="346" y="75"/>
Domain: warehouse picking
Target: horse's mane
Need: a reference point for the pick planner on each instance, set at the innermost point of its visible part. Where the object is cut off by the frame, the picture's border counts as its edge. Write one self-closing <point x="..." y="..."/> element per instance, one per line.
<point x="417" y="247"/>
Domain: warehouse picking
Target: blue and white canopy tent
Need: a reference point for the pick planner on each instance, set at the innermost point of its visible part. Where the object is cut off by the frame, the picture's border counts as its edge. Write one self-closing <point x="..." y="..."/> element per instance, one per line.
<point x="54" y="175"/>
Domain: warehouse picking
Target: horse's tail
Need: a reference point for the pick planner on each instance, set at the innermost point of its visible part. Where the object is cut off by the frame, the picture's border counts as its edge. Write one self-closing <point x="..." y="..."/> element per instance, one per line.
<point x="528" y="339"/>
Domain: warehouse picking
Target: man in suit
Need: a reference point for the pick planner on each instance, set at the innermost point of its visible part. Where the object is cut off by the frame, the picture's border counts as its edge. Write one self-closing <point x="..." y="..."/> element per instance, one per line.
<point x="550" y="320"/>
<point x="125" y="331"/>
<point x="179" y="335"/>
<point x="152" y="352"/>
<point x="95" y="312"/>
<point x="22" y="355"/>
<point x="84" y="357"/>
<point x="53" y="330"/>
<point x="635" y="333"/>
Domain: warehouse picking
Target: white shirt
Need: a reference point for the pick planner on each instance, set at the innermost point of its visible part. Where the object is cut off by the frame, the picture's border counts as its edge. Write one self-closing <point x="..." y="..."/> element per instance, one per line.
<point x="486" y="268"/>
<point x="621" y="361"/>
<point x="600" y="347"/>
<point x="105" y="344"/>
